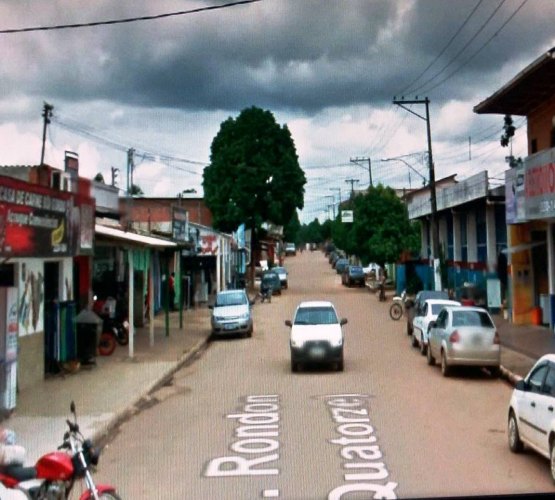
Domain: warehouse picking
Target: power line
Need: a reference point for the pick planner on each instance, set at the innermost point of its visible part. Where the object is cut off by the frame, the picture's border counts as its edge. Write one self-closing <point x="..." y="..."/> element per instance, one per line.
<point x="443" y="50"/>
<point x="125" y="20"/>
<point x="486" y="22"/>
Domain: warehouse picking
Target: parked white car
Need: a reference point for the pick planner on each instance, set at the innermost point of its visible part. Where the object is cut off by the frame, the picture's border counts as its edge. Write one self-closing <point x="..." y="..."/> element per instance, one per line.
<point x="424" y="316"/>
<point x="531" y="418"/>
<point x="316" y="335"/>
<point x="466" y="336"/>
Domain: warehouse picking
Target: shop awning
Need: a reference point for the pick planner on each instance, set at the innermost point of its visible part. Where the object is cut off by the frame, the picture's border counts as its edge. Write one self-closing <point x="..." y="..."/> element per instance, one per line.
<point x="522" y="247"/>
<point x="136" y="238"/>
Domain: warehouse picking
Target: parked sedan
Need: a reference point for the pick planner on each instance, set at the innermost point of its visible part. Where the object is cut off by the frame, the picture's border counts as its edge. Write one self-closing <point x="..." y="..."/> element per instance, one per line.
<point x="421" y="322"/>
<point x="464" y="336"/>
<point x="353" y="275"/>
<point x="316" y="335"/>
<point x="413" y="307"/>
<point x="231" y="313"/>
<point x="340" y="265"/>
<point x="531" y="420"/>
<point x="282" y="273"/>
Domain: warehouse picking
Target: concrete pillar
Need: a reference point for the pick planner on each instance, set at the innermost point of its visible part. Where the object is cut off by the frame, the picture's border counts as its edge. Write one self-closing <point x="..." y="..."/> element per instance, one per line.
<point x="131" y="304"/>
<point x="471" y="238"/>
<point x="457" y="251"/>
<point x="491" y="240"/>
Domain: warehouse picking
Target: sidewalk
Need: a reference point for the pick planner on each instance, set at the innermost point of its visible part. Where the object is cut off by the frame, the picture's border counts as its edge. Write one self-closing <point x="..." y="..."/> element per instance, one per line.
<point x="521" y="346"/>
<point x="117" y="387"/>
<point x="107" y="394"/>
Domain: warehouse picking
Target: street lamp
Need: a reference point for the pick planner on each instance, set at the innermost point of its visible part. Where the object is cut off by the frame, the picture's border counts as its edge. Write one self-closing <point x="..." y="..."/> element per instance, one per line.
<point x="408" y="165"/>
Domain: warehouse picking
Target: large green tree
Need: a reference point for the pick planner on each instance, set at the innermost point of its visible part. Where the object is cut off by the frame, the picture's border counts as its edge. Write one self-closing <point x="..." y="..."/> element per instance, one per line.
<point x="381" y="230"/>
<point x="254" y="174"/>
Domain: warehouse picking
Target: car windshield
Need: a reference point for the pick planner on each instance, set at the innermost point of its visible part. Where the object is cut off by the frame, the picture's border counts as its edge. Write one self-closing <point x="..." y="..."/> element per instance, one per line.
<point x="269" y="278"/>
<point x="472" y="318"/>
<point x="315" y="316"/>
<point x="356" y="270"/>
<point x="231" y="299"/>
<point x="279" y="270"/>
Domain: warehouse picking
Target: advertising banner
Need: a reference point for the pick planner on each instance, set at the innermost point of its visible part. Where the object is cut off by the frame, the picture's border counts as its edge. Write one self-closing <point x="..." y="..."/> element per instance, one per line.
<point x="34" y="220"/>
<point x="180" y="224"/>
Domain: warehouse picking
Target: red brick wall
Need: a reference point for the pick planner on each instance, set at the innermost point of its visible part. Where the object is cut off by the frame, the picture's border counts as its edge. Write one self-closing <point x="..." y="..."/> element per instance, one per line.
<point x="160" y="209"/>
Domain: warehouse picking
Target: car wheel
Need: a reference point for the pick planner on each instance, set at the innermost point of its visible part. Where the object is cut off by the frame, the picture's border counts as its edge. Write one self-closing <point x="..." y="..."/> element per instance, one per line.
<point x="409" y="328"/>
<point x="431" y="360"/>
<point x="552" y="460"/>
<point x="294" y="366"/>
<point x="494" y="371"/>
<point x="445" y="368"/>
<point x="423" y="347"/>
<point x="515" y="444"/>
<point x="414" y="341"/>
<point x="340" y="364"/>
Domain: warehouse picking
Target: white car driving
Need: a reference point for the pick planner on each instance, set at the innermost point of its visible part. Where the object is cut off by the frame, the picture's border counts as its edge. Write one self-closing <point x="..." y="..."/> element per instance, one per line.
<point x="424" y="316"/>
<point x="316" y="335"/>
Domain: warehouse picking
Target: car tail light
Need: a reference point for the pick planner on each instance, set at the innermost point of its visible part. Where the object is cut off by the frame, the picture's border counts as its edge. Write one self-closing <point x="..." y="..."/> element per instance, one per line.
<point x="454" y="337"/>
<point x="496" y="339"/>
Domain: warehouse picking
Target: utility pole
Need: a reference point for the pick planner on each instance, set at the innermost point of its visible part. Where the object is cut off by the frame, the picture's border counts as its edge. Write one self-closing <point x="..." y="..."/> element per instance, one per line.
<point x="352" y="181"/>
<point x="433" y="217"/>
<point x="130" y="166"/>
<point x="358" y="160"/>
<point x="46" y="114"/>
<point x="332" y="203"/>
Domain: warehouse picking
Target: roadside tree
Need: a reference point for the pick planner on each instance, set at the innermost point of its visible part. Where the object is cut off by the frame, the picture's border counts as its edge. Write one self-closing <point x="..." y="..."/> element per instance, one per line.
<point x="254" y="174"/>
<point x="381" y="230"/>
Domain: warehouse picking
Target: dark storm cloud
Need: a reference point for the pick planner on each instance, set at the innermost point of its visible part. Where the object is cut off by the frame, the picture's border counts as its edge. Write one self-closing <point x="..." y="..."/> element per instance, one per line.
<point x="297" y="54"/>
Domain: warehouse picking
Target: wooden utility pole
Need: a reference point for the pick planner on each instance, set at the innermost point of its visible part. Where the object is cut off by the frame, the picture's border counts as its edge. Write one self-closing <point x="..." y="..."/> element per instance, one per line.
<point x="358" y="160"/>
<point x="352" y="182"/>
<point x="433" y="217"/>
<point x="46" y="115"/>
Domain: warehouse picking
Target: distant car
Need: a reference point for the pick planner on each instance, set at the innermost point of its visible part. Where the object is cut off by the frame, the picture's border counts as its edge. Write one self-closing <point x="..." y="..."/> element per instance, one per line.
<point x="353" y="275"/>
<point x="464" y="335"/>
<point x="282" y="273"/>
<point x="414" y="307"/>
<point x="290" y="249"/>
<point x="531" y="420"/>
<point x="421" y="322"/>
<point x="232" y="313"/>
<point x="271" y="279"/>
<point x="340" y="265"/>
<point x="316" y="335"/>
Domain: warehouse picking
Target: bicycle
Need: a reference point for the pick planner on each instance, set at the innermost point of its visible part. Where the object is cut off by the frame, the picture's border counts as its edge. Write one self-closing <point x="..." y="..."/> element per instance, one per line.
<point x="397" y="309"/>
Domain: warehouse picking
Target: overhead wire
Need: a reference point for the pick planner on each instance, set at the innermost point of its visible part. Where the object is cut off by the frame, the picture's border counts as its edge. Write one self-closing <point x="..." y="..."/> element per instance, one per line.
<point x="125" y="20"/>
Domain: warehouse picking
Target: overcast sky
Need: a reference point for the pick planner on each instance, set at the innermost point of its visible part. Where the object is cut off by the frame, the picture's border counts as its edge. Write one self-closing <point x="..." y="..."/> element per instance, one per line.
<point x="329" y="69"/>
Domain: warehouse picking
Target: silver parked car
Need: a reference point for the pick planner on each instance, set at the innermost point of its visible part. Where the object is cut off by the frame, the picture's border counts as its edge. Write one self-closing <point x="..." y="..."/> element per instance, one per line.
<point x="232" y="313"/>
<point x="464" y="336"/>
<point x="531" y="421"/>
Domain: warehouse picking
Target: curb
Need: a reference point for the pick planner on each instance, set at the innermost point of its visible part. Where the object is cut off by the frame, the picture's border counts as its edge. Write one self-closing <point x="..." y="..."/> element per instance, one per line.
<point x="509" y="376"/>
<point x="102" y="436"/>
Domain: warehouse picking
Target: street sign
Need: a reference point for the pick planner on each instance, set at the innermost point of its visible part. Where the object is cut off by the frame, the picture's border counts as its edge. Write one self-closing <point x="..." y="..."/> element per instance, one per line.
<point x="346" y="216"/>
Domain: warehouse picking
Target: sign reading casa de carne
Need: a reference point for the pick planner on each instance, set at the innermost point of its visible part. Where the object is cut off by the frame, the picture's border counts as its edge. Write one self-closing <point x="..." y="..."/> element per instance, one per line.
<point x="32" y="220"/>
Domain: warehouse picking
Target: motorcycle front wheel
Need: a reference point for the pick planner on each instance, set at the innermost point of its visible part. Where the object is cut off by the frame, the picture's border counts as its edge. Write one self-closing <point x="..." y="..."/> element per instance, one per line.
<point x="123" y="334"/>
<point x="109" y="496"/>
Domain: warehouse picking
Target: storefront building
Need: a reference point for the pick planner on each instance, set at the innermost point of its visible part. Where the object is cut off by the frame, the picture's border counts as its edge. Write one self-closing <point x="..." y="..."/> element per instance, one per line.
<point x="530" y="191"/>
<point x="46" y="240"/>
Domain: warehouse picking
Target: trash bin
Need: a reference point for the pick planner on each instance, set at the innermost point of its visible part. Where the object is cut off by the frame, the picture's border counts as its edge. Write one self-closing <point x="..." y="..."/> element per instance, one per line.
<point x="89" y="326"/>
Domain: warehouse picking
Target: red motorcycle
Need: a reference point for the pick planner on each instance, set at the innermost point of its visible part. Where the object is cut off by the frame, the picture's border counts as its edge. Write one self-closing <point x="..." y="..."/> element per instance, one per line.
<point x="115" y="329"/>
<point x="58" y="473"/>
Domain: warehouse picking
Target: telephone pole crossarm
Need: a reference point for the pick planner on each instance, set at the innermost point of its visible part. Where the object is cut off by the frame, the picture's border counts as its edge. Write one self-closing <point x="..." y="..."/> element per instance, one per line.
<point x="361" y="159"/>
